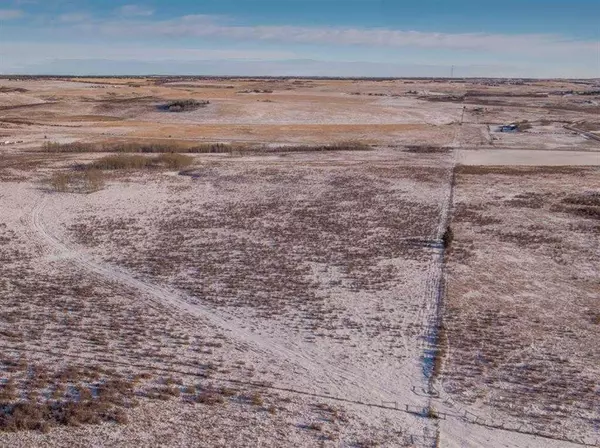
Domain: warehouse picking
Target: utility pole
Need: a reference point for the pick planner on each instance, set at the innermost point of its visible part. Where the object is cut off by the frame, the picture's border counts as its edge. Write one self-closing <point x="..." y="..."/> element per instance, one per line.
<point x="452" y="72"/>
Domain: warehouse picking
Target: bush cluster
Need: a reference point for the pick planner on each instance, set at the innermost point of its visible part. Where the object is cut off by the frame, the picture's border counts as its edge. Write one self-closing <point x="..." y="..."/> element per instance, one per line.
<point x="87" y="181"/>
<point x="183" y="105"/>
<point x="135" y="161"/>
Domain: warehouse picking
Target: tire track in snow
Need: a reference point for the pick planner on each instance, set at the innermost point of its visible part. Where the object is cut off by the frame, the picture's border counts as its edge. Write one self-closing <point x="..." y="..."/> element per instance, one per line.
<point x="332" y="376"/>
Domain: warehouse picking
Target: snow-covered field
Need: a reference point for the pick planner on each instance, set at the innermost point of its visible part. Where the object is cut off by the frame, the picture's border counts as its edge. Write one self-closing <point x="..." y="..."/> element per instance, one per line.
<point x="308" y="271"/>
<point x="296" y="298"/>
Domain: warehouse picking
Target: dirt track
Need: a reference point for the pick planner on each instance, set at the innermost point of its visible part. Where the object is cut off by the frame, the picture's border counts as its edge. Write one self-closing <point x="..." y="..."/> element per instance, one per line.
<point x="336" y="380"/>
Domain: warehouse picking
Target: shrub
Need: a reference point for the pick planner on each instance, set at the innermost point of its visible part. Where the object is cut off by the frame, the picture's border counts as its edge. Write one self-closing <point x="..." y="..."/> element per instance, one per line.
<point x="256" y="399"/>
<point x="174" y="161"/>
<point x="183" y="105"/>
<point x="137" y="147"/>
<point x="432" y="413"/>
<point x="173" y="391"/>
<point x="227" y="392"/>
<point x="203" y="148"/>
<point x="315" y="426"/>
<point x="448" y="238"/>
<point x="60" y="182"/>
<point x="120" y="162"/>
<point x="23" y="416"/>
<point x="84" y="182"/>
<point x="256" y="91"/>
<point x="66" y="147"/>
<point x="33" y="416"/>
<point x="209" y="398"/>
<point x="340" y="146"/>
<point x="93" y="180"/>
<point x="134" y="161"/>
<point x="524" y="125"/>
<point x="427" y="149"/>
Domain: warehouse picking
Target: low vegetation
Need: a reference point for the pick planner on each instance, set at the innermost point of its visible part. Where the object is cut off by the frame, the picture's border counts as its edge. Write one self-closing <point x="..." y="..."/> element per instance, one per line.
<point x="137" y="147"/>
<point x="523" y="350"/>
<point x="427" y="149"/>
<point x="90" y="178"/>
<point x="340" y="146"/>
<point x="477" y="170"/>
<point x="134" y="161"/>
<point x="69" y="406"/>
<point x="327" y="227"/>
<point x="6" y="89"/>
<point x="186" y="148"/>
<point x="183" y="105"/>
<point x="447" y="238"/>
<point x="87" y="181"/>
<point x="524" y="125"/>
<point x="256" y="91"/>
<point x="585" y="205"/>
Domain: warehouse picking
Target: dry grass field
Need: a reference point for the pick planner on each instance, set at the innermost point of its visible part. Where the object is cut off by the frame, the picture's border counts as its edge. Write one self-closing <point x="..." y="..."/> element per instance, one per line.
<point x="298" y="262"/>
<point x="522" y="297"/>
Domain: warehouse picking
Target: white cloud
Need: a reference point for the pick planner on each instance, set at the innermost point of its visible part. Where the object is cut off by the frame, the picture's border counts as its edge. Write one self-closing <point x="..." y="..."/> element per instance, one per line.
<point x="74" y="17"/>
<point x="542" y="53"/>
<point x="213" y="27"/>
<point x="135" y="10"/>
<point x="10" y="14"/>
<point x="33" y="53"/>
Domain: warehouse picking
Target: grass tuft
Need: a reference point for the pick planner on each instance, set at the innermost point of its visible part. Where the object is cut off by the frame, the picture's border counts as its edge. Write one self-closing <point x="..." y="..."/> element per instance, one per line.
<point x="137" y="162"/>
<point x="87" y="181"/>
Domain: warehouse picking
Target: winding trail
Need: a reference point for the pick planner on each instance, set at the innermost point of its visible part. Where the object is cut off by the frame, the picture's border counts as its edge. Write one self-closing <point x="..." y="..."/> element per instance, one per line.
<point x="330" y="377"/>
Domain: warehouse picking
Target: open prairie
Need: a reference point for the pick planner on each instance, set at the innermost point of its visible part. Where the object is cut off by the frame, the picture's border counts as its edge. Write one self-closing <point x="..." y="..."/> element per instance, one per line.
<point x="299" y="262"/>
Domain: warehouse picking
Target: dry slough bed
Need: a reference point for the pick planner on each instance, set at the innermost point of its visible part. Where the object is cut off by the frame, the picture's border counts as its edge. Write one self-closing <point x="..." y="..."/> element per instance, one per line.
<point x="300" y="272"/>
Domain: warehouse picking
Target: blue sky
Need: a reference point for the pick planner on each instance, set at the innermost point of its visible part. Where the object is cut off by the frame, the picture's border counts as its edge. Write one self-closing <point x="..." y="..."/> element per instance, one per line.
<point x="524" y="38"/>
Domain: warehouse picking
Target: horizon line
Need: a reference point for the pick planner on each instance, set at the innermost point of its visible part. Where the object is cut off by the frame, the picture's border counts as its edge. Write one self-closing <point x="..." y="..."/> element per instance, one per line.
<point x="150" y="75"/>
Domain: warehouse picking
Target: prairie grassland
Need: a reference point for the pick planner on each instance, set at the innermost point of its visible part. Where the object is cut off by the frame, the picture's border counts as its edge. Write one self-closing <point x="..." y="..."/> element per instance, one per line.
<point x="266" y="269"/>
<point x="319" y="254"/>
<point x="522" y="308"/>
